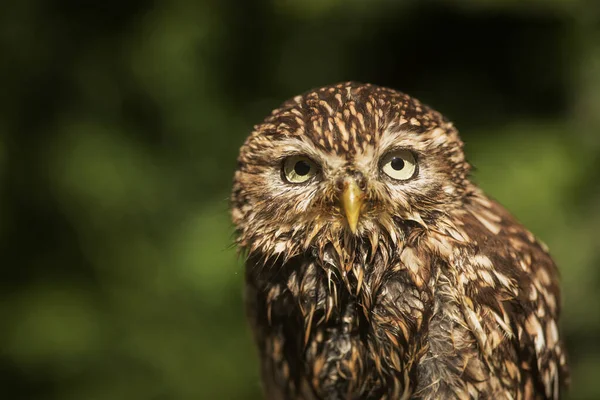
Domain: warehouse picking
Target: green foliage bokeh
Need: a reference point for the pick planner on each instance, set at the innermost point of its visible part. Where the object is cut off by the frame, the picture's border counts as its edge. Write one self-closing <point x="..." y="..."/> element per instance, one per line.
<point x="119" y="130"/>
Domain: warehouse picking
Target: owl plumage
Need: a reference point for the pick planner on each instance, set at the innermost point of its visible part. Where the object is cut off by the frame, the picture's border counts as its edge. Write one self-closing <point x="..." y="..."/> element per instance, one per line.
<point x="376" y="270"/>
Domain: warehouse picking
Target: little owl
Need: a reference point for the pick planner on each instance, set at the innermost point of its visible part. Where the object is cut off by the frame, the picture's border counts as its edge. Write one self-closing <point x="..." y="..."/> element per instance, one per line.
<point x="376" y="270"/>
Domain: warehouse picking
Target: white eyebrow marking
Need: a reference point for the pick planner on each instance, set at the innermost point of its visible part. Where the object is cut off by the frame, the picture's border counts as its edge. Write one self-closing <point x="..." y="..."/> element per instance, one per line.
<point x="304" y="145"/>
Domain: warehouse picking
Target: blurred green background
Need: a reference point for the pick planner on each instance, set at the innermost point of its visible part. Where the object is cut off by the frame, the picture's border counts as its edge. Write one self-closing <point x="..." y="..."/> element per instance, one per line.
<point x="119" y="129"/>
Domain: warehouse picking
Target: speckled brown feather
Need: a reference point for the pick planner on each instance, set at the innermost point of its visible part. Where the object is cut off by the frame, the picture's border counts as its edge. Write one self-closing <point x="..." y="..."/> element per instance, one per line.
<point x="439" y="294"/>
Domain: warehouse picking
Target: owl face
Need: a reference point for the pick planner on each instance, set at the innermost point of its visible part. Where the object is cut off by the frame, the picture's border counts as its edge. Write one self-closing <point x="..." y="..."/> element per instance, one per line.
<point x="345" y="164"/>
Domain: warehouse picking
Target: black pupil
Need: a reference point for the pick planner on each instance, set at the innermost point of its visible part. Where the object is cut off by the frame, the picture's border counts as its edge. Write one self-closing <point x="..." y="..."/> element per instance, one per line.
<point x="397" y="163"/>
<point x="302" y="168"/>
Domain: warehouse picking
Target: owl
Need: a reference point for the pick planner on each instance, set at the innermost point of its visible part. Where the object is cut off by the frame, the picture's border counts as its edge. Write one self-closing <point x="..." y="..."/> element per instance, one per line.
<point x="375" y="269"/>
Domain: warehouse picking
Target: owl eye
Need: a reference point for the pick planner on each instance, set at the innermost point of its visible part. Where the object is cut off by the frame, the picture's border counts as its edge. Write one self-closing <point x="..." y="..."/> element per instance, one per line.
<point x="299" y="169"/>
<point x="399" y="164"/>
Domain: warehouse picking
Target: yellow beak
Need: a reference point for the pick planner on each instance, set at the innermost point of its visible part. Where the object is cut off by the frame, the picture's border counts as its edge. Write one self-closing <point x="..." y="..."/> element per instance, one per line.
<point x="352" y="200"/>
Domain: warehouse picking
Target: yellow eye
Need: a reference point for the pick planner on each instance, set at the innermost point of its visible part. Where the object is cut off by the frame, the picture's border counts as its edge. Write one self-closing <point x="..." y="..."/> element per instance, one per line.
<point x="400" y="165"/>
<point x="299" y="169"/>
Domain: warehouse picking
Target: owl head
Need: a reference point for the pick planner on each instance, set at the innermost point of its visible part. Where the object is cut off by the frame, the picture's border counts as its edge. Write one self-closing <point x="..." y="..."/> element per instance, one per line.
<point x="345" y="165"/>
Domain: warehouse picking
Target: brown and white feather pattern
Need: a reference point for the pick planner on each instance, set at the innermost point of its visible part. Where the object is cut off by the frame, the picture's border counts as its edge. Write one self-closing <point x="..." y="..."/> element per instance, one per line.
<point x="440" y="293"/>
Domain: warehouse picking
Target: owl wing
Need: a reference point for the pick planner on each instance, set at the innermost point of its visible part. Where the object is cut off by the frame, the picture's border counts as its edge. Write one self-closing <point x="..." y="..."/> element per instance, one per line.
<point x="518" y="301"/>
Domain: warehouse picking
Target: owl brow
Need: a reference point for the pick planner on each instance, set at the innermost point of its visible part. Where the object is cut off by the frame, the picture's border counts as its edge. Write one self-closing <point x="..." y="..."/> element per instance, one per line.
<point x="393" y="148"/>
<point x="393" y="140"/>
<point x="297" y="147"/>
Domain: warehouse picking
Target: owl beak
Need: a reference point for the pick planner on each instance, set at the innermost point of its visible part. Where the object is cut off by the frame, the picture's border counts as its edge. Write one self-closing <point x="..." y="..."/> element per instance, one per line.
<point x="352" y="200"/>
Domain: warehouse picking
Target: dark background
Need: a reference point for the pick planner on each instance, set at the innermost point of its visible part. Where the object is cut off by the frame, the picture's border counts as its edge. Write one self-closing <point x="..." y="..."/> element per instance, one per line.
<point x="119" y="128"/>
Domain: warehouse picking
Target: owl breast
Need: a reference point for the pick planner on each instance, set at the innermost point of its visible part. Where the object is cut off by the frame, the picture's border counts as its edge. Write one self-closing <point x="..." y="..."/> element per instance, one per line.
<point x="397" y="327"/>
<point x="347" y="333"/>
